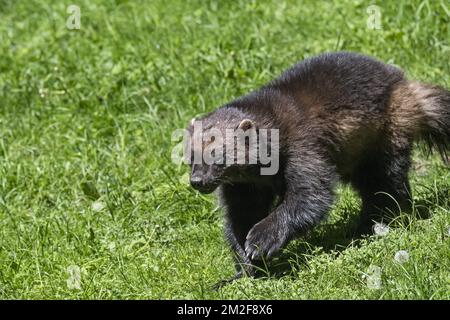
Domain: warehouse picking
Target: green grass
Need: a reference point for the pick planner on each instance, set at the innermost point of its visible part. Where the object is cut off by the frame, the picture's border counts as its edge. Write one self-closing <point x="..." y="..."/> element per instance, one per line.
<point x="85" y="123"/>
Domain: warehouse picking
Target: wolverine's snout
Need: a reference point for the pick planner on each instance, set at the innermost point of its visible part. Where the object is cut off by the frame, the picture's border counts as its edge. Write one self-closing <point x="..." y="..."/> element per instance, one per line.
<point x="202" y="185"/>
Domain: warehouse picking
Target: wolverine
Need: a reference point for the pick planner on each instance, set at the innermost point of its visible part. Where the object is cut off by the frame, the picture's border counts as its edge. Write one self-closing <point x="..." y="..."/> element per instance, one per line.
<point x="340" y="117"/>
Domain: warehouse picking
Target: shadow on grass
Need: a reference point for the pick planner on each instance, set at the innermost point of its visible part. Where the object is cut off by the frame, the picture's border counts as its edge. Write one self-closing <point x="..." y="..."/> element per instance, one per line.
<point x="337" y="237"/>
<point x="328" y="238"/>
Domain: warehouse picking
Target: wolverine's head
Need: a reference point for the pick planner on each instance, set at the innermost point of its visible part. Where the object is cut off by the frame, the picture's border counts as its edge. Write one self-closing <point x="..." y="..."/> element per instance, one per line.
<point x="220" y="148"/>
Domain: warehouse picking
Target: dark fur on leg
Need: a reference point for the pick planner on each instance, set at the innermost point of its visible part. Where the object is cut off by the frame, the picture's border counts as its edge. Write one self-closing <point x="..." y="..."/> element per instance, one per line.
<point x="245" y="205"/>
<point x="384" y="186"/>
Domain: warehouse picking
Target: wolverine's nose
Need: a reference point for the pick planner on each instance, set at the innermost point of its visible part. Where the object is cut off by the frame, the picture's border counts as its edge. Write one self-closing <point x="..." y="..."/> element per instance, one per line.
<point x="202" y="185"/>
<point x="196" y="182"/>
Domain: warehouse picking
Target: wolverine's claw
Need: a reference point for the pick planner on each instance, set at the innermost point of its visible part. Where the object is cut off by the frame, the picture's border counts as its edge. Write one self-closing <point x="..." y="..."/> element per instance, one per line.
<point x="264" y="240"/>
<point x="254" y="255"/>
<point x="271" y="252"/>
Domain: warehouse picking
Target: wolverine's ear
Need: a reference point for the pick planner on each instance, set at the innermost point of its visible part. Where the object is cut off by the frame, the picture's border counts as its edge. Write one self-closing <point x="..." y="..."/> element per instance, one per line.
<point x="192" y="121"/>
<point x="246" y="124"/>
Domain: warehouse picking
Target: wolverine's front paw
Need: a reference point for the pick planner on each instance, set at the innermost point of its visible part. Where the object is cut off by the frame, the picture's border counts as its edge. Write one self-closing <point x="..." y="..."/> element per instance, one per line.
<point x="265" y="239"/>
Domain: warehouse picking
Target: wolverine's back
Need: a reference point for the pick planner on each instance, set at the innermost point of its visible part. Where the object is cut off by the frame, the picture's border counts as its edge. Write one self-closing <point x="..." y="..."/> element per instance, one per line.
<point x="340" y="80"/>
<point x="341" y="101"/>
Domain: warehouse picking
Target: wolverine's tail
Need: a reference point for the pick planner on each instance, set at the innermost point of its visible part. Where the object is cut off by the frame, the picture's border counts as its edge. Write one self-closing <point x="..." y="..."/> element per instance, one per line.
<point x="425" y="110"/>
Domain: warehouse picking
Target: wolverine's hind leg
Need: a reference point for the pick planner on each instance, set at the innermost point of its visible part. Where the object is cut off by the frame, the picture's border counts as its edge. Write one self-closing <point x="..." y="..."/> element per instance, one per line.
<point x="383" y="184"/>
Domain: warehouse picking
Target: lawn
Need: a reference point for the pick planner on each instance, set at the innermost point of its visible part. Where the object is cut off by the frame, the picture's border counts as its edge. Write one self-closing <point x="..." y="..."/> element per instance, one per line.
<point x="91" y="205"/>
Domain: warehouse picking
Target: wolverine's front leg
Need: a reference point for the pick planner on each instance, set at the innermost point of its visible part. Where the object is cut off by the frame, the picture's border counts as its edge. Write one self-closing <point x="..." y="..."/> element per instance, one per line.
<point x="242" y="264"/>
<point x="308" y="197"/>
<point x="245" y="205"/>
